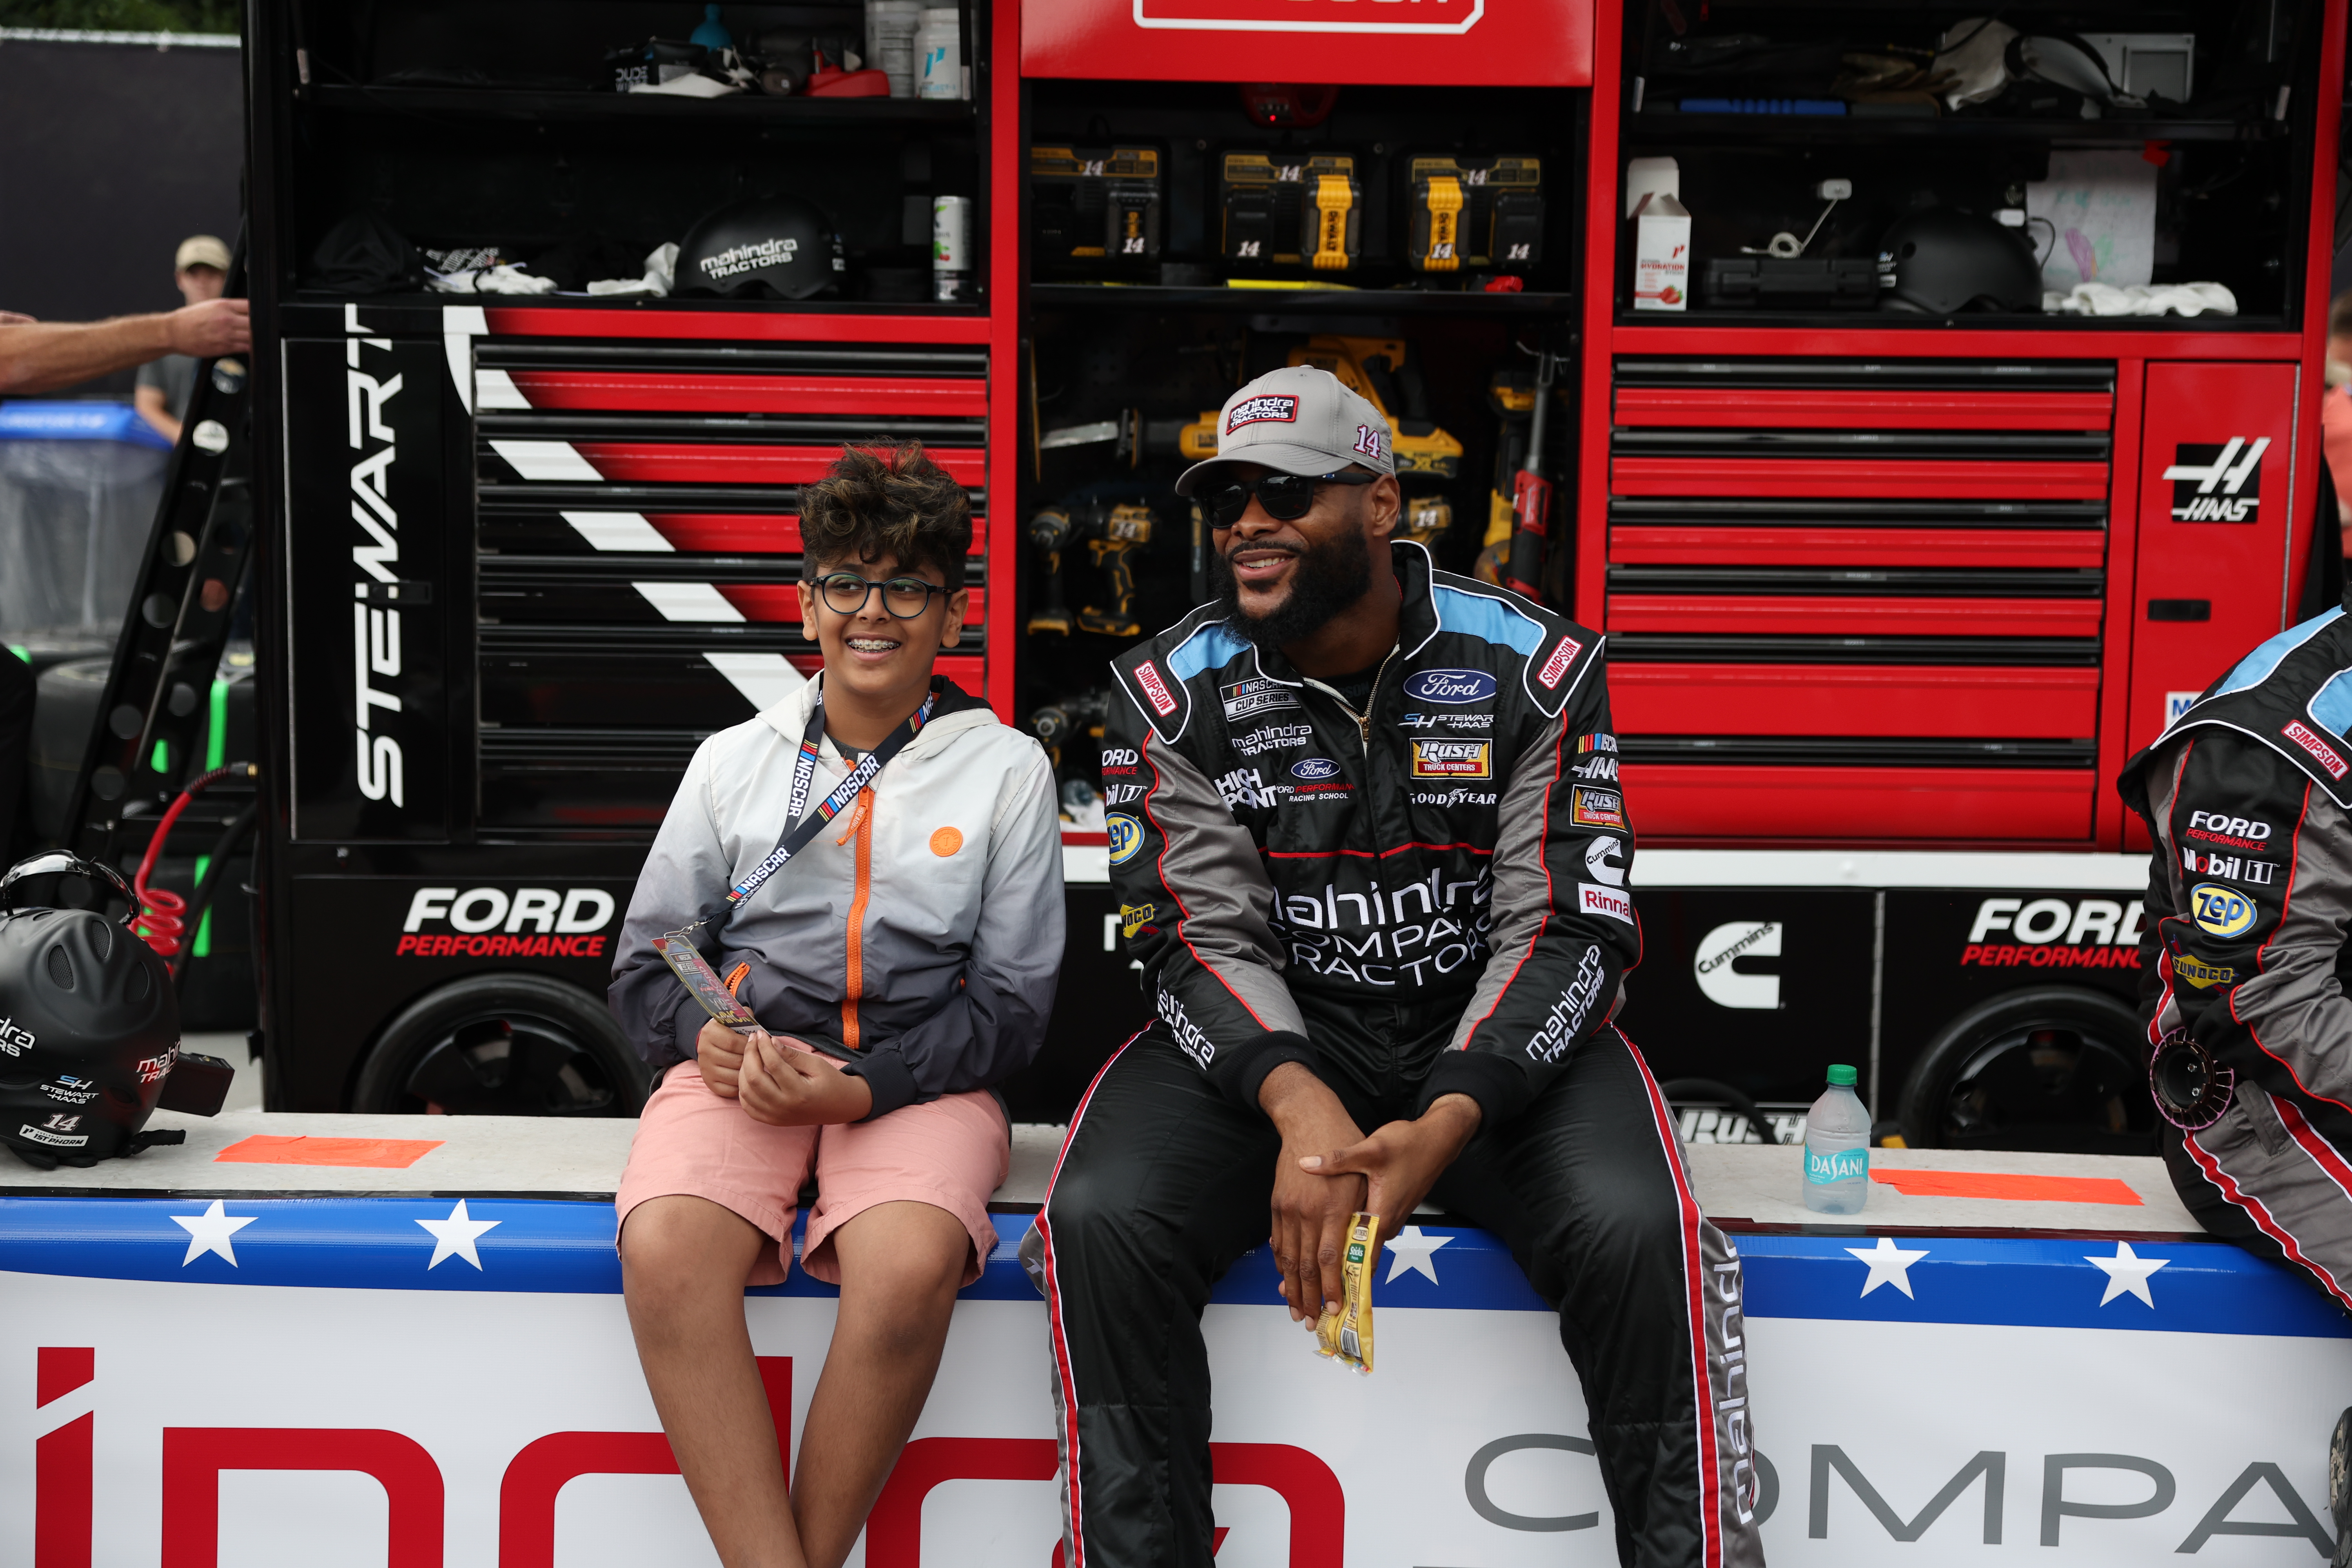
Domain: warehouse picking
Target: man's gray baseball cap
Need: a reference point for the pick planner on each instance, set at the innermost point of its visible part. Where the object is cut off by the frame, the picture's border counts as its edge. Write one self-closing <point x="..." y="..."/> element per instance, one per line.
<point x="1297" y="420"/>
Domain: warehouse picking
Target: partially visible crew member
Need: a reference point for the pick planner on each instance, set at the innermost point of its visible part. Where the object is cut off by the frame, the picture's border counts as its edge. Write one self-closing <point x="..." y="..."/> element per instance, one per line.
<point x="2245" y="967"/>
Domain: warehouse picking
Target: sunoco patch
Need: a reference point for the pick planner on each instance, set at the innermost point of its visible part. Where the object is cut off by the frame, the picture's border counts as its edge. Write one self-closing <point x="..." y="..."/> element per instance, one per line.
<point x="2201" y="974"/>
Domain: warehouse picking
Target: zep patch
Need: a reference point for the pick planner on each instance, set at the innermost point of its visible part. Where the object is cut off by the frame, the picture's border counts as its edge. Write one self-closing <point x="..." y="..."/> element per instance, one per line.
<point x="1266" y="409"/>
<point x="1126" y="837"/>
<point x="2222" y="912"/>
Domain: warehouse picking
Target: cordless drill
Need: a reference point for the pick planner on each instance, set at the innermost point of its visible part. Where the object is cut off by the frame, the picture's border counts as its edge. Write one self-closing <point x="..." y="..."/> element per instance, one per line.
<point x="1050" y="533"/>
<point x="1113" y="533"/>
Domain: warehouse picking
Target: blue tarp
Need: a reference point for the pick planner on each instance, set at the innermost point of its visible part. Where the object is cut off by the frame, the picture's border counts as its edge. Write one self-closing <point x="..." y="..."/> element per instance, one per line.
<point x="78" y="422"/>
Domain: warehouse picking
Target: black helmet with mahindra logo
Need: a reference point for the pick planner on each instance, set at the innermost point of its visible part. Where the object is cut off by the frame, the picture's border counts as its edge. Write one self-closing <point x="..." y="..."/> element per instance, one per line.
<point x="90" y="1027"/>
<point x="779" y="246"/>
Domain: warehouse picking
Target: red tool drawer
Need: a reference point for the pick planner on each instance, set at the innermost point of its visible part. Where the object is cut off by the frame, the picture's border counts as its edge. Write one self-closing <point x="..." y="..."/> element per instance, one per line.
<point x="1941" y="479"/>
<point x="1833" y="546"/>
<point x="1852" y="699"/>
<point x="648" y="462"/>
<point x="1760" y="614"/>
<point x="929" y="396"/>
<point x="1841" y="804"/>
<point x="1704" y="407"/>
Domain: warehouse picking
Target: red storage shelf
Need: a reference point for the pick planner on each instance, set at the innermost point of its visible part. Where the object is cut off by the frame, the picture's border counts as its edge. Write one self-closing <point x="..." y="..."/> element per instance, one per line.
<point x="924" y="397"/>
<point x="1926" y="480"/>
<point x="653" y="462"/>
<point x="766" y="326"/>
<point x="1645" y="544"/>
<point x="1771" y="409"/>
<point x="1853" y="699"/>
<point x="1740" y="616"/>
<point x="1678" y="801"/>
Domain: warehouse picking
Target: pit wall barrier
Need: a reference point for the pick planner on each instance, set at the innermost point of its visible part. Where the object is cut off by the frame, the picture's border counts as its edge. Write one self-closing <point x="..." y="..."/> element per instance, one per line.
<point x="420" y="1381"/>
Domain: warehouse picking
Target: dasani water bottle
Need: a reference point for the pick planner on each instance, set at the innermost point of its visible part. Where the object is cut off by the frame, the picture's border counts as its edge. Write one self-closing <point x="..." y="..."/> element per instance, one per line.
<point x="1837" y="1148"/>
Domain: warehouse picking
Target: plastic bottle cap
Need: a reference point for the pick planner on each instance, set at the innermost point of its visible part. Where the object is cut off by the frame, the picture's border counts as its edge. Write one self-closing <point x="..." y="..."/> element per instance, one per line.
<point x="1841" y="1076"/>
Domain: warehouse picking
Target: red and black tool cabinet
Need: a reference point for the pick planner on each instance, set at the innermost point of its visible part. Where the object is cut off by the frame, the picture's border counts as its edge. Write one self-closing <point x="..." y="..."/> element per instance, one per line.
<point x="1920" y="580"/>
<point x="1869" y="582"/>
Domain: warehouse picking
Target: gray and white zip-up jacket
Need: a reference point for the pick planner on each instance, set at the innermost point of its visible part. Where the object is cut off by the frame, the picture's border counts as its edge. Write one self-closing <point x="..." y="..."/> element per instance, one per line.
<point x="917" y="937"/>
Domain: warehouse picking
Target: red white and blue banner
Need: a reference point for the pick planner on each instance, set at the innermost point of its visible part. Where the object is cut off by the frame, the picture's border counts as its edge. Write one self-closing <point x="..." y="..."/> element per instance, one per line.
<point x="418" y="1382"/>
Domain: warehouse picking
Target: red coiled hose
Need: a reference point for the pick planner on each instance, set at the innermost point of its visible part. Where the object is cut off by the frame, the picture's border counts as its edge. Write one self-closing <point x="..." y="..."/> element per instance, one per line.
<point x="159" y="924"/>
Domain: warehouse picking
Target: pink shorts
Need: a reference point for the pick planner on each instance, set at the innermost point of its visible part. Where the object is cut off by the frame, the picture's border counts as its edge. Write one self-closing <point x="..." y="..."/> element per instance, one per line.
<point x="951" y="1153"/>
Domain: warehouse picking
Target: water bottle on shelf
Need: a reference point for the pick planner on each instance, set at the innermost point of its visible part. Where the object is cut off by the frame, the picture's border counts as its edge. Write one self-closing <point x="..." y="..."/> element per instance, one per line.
<point x="1837" y="1148"/>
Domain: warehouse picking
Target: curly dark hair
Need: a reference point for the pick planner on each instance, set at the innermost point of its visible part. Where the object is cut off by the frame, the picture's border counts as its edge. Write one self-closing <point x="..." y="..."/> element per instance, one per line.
<point x="877" y="502"/>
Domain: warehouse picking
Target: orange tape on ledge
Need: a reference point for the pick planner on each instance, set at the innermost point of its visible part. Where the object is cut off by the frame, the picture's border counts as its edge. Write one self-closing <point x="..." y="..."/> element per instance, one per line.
<point x="2010" y="1187"/>
<point x="373" y="1154"/>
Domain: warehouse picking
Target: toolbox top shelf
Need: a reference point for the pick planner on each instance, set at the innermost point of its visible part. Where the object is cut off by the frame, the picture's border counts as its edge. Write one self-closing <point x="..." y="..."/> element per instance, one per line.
<point x="523" y="104"/>
<point x="1333" y="301"/>
<point x="1653" y="125"/>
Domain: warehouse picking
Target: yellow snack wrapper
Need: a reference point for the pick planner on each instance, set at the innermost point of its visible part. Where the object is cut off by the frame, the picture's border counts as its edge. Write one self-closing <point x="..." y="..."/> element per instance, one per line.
<point x="1346" y="1336"/>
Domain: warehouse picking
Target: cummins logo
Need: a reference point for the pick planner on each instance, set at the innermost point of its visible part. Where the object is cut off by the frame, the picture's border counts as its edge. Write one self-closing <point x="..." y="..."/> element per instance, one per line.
<point x="1727" y="987"/>
<point x="2217" y="484"/>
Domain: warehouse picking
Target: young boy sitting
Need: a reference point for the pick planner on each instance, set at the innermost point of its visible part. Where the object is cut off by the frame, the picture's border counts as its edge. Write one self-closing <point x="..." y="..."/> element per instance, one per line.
<point x="900" y="964"/>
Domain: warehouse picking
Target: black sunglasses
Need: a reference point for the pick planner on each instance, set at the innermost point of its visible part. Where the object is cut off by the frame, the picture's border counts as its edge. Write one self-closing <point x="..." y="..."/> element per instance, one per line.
<point x="1286" y="497"/>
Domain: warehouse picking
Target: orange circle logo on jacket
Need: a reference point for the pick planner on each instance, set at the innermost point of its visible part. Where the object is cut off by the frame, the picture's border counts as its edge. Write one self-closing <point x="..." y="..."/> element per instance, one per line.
<point x="946" y="842"/>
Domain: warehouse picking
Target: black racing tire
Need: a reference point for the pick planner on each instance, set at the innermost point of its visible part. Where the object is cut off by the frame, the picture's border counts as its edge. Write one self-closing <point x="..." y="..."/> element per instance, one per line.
<point x="502" y="1045"/>
<point x="2055" y="1069"/>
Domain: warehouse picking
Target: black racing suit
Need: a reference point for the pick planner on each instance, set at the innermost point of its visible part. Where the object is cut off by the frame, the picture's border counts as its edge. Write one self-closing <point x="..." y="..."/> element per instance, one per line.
<point x="1429" y="897"/>
<point x="2249" y="798"/>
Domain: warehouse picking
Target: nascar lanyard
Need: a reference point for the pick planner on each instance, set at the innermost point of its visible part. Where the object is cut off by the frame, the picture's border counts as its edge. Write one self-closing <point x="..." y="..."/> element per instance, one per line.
<point x="705" y="927"/>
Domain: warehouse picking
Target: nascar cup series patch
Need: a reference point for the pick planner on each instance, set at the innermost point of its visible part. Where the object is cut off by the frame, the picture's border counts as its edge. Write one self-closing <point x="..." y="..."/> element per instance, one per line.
<point x="1452" y="758"/>
<point x="2223" y="911"/>
<point x="1126" y="837"/>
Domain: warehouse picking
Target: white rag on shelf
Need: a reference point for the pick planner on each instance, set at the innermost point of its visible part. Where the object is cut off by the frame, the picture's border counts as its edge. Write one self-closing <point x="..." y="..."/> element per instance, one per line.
<point x="692" y="85"/>
<point x="661" y="267"/>
<point x="489" y="280"/>
<point x="2142" y="300"/>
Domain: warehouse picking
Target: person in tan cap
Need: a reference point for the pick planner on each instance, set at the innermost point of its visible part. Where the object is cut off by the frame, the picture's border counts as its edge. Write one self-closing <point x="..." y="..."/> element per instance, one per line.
<point x="45" y="356"/>
<point x="201" y="269"/>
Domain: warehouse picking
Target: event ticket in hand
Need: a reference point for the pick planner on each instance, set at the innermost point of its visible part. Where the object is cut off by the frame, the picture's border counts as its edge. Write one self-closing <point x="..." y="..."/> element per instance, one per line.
<point x="685" y="961"/>
<point x="1346" y="1335"/>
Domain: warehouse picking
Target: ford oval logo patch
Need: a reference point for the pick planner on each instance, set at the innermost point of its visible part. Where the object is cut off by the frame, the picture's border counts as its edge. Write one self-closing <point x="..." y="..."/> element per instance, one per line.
<point x="1451" y="686"/>
<point x="1314" y="768"/>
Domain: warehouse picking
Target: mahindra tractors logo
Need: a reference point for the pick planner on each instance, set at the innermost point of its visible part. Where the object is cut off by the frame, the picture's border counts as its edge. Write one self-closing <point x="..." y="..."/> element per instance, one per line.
<point x="1267" y="408"/>
<point x="1432" y="18"/>
<point x="2217" y="484"/>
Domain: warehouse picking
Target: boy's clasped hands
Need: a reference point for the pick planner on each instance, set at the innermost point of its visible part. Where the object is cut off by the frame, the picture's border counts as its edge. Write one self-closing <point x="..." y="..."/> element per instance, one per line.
<point x="778" y="1079"/>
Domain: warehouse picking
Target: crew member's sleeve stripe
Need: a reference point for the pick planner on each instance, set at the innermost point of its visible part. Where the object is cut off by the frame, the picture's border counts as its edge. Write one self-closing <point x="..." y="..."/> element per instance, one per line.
<point x="1458" y="610"/>
<point x="1210" y="647"/>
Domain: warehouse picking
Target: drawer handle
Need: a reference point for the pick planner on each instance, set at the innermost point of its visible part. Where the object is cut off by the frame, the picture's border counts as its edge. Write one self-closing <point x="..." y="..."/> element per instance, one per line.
<point x="2180" y="609"/>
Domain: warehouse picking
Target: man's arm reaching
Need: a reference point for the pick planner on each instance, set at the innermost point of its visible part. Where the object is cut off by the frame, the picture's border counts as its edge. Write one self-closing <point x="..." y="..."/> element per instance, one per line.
<point x="43" y="356"/>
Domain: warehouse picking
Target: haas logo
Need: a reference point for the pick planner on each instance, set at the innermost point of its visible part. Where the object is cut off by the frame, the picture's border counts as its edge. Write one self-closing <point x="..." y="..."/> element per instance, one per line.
<point x="2217" y="484"/>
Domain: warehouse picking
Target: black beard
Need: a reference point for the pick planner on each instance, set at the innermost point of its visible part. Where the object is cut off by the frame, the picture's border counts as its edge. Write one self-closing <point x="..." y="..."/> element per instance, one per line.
<point x="1325" y="580"/>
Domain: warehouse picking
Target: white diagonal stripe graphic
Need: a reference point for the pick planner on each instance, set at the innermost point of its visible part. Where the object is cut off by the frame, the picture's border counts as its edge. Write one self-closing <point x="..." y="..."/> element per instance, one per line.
<point x="688" y="601"/>
<point x="619" y="531"/>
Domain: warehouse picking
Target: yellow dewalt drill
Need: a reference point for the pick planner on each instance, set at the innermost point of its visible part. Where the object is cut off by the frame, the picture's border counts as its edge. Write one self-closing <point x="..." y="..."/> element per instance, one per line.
<point x="1113" y="531"/>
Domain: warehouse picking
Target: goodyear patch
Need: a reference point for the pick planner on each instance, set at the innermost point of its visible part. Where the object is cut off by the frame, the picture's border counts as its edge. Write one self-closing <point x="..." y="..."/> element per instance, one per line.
<point x="2220" y="911"/>
<point x="2201" y="974"/>
<point x="1133" y="918"/>
<point x="1446" y="759"/>
<point x="1597" y="808"/>
<point x="1126" y="837"/>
